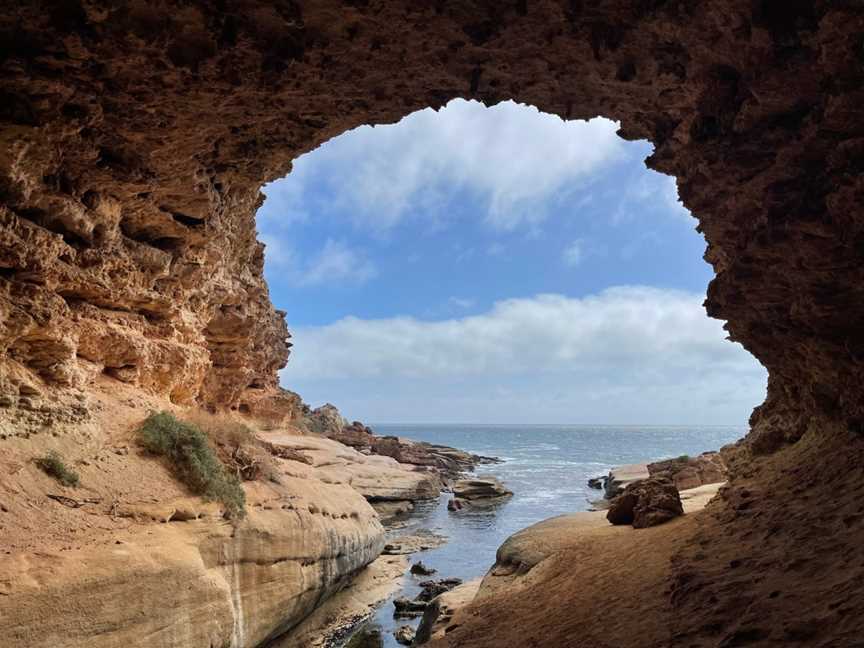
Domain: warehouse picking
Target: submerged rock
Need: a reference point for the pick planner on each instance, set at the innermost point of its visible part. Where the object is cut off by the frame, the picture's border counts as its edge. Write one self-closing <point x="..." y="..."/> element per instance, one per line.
<point x="367" y="638"/>
<point x="419" y="569"/>
<point x="646" y="503"/>
<point x="392" y="511"/>
<point x="405" y="608"/>
<point x="409" y="544"/>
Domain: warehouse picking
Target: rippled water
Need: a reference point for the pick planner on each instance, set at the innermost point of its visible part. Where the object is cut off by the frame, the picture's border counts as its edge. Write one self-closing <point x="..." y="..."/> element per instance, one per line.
<point x="547" y="468"/>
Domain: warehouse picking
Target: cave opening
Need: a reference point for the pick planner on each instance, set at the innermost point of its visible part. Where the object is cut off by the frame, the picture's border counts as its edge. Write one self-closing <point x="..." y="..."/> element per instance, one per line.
<point x="477" y="266"/>
<point x="463" y="257"/>
<point x="109" y="115"/>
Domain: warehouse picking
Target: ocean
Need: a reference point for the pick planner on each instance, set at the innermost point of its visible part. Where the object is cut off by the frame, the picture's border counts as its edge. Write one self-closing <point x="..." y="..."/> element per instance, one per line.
<point x="547" y="467"/>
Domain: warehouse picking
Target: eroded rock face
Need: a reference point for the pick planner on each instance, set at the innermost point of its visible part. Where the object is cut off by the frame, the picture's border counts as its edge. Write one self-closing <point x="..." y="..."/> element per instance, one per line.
<point x="134" y="138"/>
<point x="177" y="575"/>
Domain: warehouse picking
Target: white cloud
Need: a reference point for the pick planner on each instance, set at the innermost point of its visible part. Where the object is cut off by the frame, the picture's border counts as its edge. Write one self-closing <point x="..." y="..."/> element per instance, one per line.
<point x="572" y="255"/>
<point x="629" y="353"/>
<point x="651" y="193"/>
<point x="514" y="158"/>
<point x="637" y="327"/>
<point x="335" y="262"/>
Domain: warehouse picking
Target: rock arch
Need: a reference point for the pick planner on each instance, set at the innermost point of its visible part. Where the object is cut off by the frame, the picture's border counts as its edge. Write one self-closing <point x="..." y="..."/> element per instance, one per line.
<point x="134" y="138"/>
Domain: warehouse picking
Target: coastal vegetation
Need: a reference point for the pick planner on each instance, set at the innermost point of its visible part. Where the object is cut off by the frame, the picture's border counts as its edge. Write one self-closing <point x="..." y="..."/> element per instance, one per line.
<point x="194" y="461"/>
<point x="53" y="464"/>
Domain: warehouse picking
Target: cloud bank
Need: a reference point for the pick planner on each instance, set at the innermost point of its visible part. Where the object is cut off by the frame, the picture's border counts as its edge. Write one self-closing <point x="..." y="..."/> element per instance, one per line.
<point x="613" y="356"/>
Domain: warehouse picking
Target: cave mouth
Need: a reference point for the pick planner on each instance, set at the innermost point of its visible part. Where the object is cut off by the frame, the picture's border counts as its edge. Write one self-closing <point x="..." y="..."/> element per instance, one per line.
<point x="471" y="230"/>
<point x="128" y="230"/>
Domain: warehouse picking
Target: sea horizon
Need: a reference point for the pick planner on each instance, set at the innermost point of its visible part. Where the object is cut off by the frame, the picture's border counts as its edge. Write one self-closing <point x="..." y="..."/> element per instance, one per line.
<point x="373" y="424"/>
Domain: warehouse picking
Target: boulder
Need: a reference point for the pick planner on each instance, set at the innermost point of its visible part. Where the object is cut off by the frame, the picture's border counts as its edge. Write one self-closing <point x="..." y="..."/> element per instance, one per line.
<point x="475" y="490"/>
<point x="646" y="503"/>
<point x="404" y="635"/>
<point x="597" y="483"/>
<point x="419" y="569"/>
<point x="405" y="608"/>
<point x="325" y="420"/>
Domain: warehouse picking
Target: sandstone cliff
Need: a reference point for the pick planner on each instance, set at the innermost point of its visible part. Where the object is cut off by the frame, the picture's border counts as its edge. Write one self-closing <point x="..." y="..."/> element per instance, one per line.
<point x="128" y="557"/>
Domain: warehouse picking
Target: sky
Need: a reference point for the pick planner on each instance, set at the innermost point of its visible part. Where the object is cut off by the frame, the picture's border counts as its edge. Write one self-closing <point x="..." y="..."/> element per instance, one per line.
<point x="497" y="265"/>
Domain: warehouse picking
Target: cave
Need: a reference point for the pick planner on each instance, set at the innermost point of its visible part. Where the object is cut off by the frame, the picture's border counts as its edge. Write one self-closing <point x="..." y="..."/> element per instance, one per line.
<point x="155" y="124"/>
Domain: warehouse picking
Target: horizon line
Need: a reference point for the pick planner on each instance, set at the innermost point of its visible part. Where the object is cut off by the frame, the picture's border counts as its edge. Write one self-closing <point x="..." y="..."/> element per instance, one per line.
<point x="644" y="425"/>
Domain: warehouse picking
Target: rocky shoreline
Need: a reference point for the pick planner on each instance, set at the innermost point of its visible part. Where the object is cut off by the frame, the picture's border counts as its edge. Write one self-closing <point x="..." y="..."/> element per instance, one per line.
<point x="309" y="539"/>
<point x="322" y="545"/>
<point x="667" y="488"/>
<point x="684" y="471"/>
<point x="424" y="471"/>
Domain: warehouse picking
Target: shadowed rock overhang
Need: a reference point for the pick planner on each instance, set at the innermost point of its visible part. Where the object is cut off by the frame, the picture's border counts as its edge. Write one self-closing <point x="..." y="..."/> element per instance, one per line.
<point x="135" y="137"/>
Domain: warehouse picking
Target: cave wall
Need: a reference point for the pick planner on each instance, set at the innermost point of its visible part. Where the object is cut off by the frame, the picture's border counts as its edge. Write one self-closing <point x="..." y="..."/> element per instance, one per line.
<point x="135" y="136"/>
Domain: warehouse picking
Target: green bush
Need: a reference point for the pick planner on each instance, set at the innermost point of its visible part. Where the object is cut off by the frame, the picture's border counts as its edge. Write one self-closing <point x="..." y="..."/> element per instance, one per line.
<point x="52" y="464"/>
<point x="194" y="460"/>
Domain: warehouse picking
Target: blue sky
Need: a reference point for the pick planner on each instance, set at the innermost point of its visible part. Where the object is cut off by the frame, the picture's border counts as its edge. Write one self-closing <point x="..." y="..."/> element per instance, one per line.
<point x="497" y="265"/>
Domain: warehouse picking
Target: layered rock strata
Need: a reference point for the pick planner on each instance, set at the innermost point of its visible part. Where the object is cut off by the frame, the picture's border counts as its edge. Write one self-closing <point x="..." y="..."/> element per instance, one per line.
<point x="449" y="462"/>
<point x="478" y="492"/>
<point x="128" y="558"/>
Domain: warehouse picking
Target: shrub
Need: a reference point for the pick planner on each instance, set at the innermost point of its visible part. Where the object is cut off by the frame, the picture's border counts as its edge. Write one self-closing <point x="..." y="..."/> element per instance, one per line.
<point x="237" y="446"/>
<point x="52" y="464"/>
<point x="194" y="460"/>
